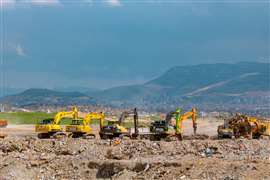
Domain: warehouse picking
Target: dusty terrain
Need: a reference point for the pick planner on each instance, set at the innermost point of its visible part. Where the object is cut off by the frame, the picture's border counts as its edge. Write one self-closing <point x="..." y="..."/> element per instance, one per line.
<point x="29" y="158"/>
<point x="205" y="126"/>
<point x="23" y="156"/>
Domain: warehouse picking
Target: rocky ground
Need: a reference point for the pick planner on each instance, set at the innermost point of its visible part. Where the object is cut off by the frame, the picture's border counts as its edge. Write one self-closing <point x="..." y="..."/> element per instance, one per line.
<point x="32" y="158"/>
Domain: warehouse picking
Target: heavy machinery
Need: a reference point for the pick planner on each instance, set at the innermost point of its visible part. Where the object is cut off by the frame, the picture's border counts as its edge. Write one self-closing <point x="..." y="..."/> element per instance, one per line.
<point x="51" y="127"/>
<point x="163" y="128"/>
<point x="244" y="126"/>
<point x="3" y="123"/>
<point x="225" y="130"/>
<point x="179" y="122"/>
<point x="114" y="129"/>
<point x="81" y="127"/>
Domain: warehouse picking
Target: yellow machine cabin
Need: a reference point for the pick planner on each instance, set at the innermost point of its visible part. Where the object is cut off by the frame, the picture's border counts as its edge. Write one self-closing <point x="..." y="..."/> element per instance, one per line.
<point x="51" y="127"/>
<point x="81" y="127"/>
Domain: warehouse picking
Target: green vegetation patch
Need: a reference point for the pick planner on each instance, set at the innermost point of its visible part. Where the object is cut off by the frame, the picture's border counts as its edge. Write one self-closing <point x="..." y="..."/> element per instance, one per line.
<point x="33" y="117"/>
<point x="36" y="117"/>
<point x="25" y="117"/>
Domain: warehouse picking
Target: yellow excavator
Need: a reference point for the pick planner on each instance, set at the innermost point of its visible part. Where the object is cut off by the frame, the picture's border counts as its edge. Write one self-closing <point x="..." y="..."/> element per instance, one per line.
<point x="115" y="129"/>
<point x="163" y="129"/>
<point x="47" y="128"/>
<point x="242" y="125"/>
<point x="179" y="122"/>
<point x="81" y="127"/>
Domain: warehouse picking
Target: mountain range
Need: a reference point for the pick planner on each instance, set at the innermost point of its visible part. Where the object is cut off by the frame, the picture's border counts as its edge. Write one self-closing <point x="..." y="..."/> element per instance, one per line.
<point x="222" y="81"/>
<point x="46" y="97"/>
<point x="245" y="83"/>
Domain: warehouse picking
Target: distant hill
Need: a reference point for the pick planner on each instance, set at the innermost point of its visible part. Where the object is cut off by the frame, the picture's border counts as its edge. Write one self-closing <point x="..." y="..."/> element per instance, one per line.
<point x="76" y="89"/>
<point x="237" y="86"/>
<point x="47" y="97"/>
<point x="244" y="82"/>
<point x="216" y="78"/>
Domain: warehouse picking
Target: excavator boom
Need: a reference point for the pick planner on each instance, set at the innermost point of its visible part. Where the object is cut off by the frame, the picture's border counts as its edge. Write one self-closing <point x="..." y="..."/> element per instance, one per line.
<point x="60" y="115"/>
<point x="48" y="127"/>
<point x="180" y="118"/>
<point x="93" y="115"/>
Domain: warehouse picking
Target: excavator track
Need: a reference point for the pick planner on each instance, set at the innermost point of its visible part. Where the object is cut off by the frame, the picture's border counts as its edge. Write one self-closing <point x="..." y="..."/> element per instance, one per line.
<point x="59" y="135"/>
<point x="89" y="136"/>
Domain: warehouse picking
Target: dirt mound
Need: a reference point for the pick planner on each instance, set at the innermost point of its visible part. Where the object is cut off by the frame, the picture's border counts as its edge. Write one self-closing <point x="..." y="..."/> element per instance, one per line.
<point x="31" y="158"/>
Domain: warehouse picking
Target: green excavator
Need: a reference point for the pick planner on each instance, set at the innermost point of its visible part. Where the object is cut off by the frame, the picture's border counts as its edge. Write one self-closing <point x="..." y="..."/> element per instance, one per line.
<point x="162" y="129"/>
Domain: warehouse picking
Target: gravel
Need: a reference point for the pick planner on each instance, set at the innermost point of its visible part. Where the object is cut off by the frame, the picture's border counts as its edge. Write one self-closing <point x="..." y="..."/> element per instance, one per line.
<point x="31" y="158"/>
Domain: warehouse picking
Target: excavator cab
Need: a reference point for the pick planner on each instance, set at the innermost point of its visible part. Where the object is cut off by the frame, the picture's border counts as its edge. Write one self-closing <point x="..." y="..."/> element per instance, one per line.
<point x="159" y="127"/>
<point x="112" y="122"/>
<point x="114" y="129"/>
<point x="224" y="130"/>
<point x="77" y="122"/>
<point x="46" y="121"/>
<point x="163" y="128"/>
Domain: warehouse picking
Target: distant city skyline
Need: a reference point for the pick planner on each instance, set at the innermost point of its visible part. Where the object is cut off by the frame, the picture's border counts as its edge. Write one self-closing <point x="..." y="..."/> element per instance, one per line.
<point x="102" y="44"/>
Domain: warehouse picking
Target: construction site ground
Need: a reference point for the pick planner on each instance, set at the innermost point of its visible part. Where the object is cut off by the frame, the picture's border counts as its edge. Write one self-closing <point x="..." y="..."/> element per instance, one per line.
<point x="23" y="156"/>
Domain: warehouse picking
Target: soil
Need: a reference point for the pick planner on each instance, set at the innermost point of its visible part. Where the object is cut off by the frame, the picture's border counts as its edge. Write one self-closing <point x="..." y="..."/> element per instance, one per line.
<point x="23" y="156"/>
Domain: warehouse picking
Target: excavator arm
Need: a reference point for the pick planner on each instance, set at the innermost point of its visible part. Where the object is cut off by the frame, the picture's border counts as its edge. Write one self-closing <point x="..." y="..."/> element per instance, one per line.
<point x="180" y="118"/>
<point x="93" y="115"/>
<point x="169" y="117"/>
<point x="115" y="128"/>
<point x="61" y="115"/>
<point x="126" y="114"/>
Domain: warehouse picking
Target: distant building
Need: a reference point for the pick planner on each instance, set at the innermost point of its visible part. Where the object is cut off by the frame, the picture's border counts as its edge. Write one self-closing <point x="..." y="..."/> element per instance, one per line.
<point x="202" y="114"/>
<point x="2" y="108"/>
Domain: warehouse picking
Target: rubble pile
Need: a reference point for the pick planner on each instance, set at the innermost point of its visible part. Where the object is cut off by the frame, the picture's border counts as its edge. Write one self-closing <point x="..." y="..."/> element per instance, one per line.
<point x="240" y="125"/>
<point x="249" y="127"/>
<point x="31" y="158"/>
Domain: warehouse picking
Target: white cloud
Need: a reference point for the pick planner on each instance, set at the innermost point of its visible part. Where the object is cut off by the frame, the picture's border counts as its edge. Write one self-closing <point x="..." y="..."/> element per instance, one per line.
<point x="113" y="3"/>
<point x="7" y="3"/>
<point x="45" y="2"/>
<point x="13" y="3"/>
<point x="19" y="50"/>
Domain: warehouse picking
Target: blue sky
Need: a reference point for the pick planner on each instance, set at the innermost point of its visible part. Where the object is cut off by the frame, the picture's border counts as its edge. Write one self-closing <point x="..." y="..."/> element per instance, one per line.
<point x="101" y="44"/>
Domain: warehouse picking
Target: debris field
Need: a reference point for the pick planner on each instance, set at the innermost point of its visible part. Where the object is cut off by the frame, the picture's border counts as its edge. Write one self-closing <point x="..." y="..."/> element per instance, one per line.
<point x="33" y="158"/>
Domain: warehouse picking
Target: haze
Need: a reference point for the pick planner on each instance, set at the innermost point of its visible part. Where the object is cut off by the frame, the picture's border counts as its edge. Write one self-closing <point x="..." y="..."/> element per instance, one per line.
<point x="96" y="44"/>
